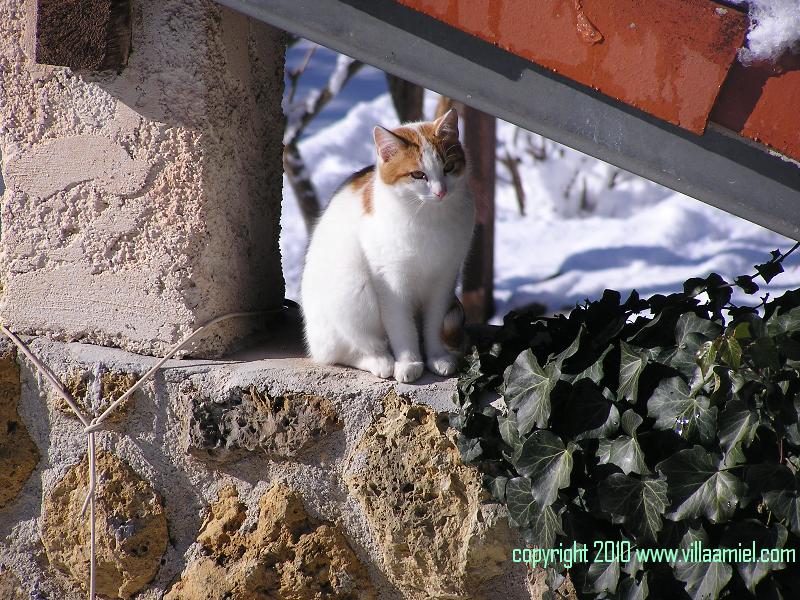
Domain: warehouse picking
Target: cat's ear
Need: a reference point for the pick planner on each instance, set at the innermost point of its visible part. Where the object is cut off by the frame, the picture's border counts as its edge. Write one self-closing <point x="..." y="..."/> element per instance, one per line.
<point x="447" y="125"/>
<point x="387" y="143"/>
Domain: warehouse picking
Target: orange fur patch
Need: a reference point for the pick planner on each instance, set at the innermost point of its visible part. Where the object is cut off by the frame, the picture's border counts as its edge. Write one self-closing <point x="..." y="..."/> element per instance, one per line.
<point x="362" y="181"/>
<point x="410" y="156"/>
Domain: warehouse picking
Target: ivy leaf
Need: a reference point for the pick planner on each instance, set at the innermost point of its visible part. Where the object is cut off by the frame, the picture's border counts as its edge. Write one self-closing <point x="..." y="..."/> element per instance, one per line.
<point x="604" y="576"/>
<point x="586" y="413"/>
<point x="509" y="432"/>
<point x="527" y="390"/>
<point x="632" y="362"/>
<point x="674" y="407"/>
<point x="629" y="589"/>
<point x="730" y="351"/>
<point x="521" y="506"/>
<point x="764" y="477"/>
<point x="785" y="322"/>
<point x="543" y="458"/>
<point x="737" y="429"/>
<point x="764" y="354"/>
<point x="785" y="504"/>
<point x="690" y="333"/>
<point x="623" y="451"/>
<point x="751" y="532"/>
<point x="697" y="487"/>
<point x="542" y="525"/>
<point x="703" y="580"/>
<point x="638" y="503"/>
<point x="770" y="269"/>
<point x="594" y="371"/>
<point x="570" y="351"/>
<point x="746" y="284"/>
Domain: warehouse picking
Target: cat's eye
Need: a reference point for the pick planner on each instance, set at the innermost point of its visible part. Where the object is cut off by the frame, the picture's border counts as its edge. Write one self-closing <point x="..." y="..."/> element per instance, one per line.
<point x="418" y="175"/>
<point x="449" y="167"/>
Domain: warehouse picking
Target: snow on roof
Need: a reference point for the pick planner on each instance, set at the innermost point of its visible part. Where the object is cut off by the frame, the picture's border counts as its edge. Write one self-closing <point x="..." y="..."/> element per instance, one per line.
<point x="774" y="29"/>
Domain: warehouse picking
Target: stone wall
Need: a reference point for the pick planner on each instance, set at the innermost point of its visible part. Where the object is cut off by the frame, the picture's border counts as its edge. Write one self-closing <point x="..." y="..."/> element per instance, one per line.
<point x="139" y="205"/>
<point x="249" y="479"/>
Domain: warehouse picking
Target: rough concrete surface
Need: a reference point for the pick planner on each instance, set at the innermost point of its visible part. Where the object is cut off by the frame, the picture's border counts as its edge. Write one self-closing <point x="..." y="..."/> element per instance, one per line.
<point x="154" y="440"/>
<point x="139" y="205"/>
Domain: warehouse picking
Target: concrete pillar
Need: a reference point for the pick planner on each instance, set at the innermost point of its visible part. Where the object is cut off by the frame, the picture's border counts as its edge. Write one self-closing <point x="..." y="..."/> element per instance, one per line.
<point x="140" y="204"/>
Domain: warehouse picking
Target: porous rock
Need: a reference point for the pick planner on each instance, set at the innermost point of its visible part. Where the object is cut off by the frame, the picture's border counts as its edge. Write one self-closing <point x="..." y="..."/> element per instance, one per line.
<point x="539" y="588"/>
<point x="282" y="426"/>
<point x="285" y="555"/>
<point x="130" y="523"/>
<point x="438" y="536"/>
<point x="18" y="453"/>
<point x="10" y="587"/>
<point x="112" y="385"/>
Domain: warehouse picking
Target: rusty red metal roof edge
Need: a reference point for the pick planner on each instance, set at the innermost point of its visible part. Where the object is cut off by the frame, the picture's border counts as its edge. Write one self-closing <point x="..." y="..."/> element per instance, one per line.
<point x="668" y="58"/>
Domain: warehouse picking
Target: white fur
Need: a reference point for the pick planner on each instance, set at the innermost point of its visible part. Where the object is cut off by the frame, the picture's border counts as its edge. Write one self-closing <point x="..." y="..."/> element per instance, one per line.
<point x="371" y="280"/>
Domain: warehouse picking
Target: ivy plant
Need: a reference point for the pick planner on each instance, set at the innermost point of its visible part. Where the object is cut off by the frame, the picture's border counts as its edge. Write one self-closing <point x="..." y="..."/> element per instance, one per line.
<point x="664" y="422"/>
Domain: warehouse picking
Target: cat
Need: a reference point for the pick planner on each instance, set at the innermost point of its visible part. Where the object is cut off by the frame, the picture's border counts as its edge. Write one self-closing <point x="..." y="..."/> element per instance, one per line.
<point x="384" y="257"/>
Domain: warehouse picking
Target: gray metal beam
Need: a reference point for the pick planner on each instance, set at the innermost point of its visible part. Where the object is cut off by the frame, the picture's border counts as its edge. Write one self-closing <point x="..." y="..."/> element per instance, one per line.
<point x="723" y="170"/>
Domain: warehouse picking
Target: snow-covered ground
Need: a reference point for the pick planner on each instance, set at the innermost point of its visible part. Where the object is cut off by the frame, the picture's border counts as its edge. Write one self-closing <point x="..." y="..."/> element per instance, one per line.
<point x="587" y="226"/>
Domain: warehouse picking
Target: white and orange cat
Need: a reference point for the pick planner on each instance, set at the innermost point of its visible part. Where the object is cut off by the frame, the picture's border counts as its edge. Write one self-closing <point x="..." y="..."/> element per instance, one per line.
<point x="382" y="264"/>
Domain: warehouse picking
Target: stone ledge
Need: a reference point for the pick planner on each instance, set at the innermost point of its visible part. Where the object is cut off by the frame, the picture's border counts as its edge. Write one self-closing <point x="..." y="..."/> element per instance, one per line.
<point x="155" y="439"/>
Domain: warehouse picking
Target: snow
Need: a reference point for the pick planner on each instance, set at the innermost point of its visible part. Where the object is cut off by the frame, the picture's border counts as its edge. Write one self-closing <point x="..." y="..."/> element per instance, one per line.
<point x="570" y="245"/>
<point x="774" y="28"/>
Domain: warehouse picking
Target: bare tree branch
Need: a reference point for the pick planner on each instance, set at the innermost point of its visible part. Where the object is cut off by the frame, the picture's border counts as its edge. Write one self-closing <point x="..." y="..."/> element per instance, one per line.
<point x="293" y="164"/>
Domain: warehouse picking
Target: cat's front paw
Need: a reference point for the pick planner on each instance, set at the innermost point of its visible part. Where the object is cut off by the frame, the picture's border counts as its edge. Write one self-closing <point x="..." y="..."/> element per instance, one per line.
<point x="406" y="372"/>
<point x="380" y="366"/>
<point x="444" y="365"/>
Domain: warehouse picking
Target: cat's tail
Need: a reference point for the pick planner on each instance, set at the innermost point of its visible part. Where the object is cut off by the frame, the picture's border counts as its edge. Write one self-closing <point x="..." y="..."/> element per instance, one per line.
<point x="453" y="336"/>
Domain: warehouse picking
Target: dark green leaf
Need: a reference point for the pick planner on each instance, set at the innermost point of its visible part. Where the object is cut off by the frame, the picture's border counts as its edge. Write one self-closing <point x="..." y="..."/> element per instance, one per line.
<point x="522" y="507"/>
<point x="704" y="580"/>
<point x="694" y="286"/>
<point x="586" y="413"/>
<point x="673" y="407"/>
<point x="784" y="322"/>
<point x="690" y="333"/>
<point x="746" y="283"/>
<point x="603" y="576"/>
<point x="769" y="270"/>
<point x="737" y="429"/>
<point x="697" y="487"/>
<point x="508" y="429"/>
<point x="638" y="503"/>
<point x="785" y="504"/>
<point x="764" y="354"/>
<point x="570" y="350"/>
<point x="730" y="352"/>
<point x="595" y="370"/>
<point x="543" y="458"/>
<point x="751" y="533"/>
<point x="632" y="362"/>
<point x="629" y="589"/>
<point x="527" y="391"/>
<point x="623" y="451"/>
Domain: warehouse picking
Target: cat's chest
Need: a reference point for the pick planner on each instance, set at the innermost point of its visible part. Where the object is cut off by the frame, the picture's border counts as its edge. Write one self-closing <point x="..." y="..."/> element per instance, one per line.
<point x="421" y="248"/>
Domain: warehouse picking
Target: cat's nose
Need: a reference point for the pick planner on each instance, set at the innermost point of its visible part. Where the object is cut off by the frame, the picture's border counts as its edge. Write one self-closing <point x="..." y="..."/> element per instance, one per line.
<point x="441" y="192"/>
